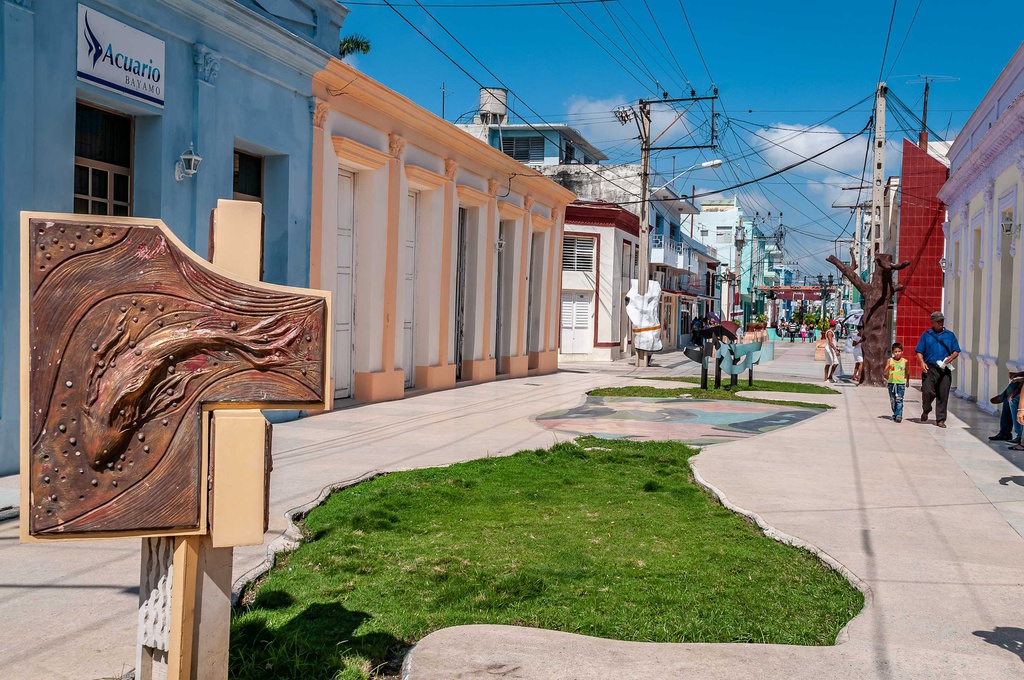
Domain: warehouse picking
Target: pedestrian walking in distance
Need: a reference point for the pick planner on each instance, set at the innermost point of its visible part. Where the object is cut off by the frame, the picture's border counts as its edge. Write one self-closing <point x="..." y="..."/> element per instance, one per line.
<point x="936" y="350"/>
<point x="803" y="332"/>
<point x="896" y="373"/>
<point x="854" y="341"/>
<point x="831" y="353"/>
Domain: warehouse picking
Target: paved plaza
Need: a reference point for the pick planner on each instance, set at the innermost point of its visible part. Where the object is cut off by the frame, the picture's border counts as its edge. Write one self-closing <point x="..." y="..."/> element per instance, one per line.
<point x="929" y="521"/>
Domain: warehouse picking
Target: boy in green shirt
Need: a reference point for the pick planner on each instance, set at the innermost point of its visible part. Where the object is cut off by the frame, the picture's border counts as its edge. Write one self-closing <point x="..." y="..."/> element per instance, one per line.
<point x="896" y="373"/>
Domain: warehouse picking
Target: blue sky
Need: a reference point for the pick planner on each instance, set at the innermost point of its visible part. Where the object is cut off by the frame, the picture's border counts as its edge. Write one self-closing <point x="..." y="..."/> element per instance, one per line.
<point x="779" y="68"/>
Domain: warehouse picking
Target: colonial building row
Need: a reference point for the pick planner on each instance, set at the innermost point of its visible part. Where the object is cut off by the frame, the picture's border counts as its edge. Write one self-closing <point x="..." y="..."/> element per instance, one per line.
<point x="442" y="253"/>
<point x="984" y="260"/>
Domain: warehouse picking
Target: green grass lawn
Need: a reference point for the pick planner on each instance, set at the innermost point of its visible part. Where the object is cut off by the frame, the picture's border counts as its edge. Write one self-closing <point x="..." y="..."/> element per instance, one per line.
<point x="722" y="394"/>
<point x="761" y="385"/>
<point x="603" y="538"/>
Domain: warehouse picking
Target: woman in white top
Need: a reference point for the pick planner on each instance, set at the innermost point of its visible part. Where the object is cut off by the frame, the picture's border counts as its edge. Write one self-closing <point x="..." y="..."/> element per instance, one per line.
<point x="831" y="353"/>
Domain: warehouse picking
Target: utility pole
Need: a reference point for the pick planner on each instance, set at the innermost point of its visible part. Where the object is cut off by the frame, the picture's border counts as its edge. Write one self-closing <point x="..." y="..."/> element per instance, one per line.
<point x="923" y="138"/>
<point x="645" y="168"/>
<point x="878" y="172"/>
<point x="444" y="96"/>
<point x="644" y="123"/>
<point x="858" y="237"/>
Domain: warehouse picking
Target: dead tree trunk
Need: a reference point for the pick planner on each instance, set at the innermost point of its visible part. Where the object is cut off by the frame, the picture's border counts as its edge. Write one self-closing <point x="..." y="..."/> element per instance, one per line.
<point x="877" y="293"/>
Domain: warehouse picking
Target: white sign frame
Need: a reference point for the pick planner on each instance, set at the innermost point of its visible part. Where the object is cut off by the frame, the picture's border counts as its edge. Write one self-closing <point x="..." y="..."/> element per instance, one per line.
<point x="119" y="58"/>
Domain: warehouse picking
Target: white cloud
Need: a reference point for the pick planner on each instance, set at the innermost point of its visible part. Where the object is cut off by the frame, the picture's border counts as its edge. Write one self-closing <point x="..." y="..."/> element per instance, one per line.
<point x="784" y="144"/>
<point x="595" y="120"/>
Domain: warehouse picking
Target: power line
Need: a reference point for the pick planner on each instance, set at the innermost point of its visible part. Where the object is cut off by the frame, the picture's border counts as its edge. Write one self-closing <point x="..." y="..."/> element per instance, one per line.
<point x="888" y="35"/>
<point x="605" y="49"/>
<point x="667" y="44"/>
<point x="903" y="44"/>
<point x="491" y="73"/>
<point x="475" y="5"/>
<point x="696" y="44"/>
<point x="777" y="172"/>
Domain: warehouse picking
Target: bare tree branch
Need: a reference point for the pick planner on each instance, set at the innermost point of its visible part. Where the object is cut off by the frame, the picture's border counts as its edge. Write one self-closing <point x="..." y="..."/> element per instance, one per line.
<point x="849" y="272"/>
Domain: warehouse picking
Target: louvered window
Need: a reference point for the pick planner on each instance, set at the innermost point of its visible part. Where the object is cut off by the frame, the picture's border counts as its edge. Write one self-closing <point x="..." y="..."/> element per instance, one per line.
<point x="577" y="254"/>
<point x="524" y="149"/>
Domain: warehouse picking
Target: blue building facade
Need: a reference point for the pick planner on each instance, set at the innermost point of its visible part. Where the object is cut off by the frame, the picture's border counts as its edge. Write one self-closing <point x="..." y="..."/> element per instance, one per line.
<point x="101" y="98"/>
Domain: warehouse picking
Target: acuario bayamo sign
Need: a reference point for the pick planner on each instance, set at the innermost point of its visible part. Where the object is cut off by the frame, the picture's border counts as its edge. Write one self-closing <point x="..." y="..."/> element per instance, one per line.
<point x="120" y="58"/>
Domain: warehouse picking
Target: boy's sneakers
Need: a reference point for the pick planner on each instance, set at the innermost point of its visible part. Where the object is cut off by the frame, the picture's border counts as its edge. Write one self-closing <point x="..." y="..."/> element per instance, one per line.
<point x="898" y="419"/>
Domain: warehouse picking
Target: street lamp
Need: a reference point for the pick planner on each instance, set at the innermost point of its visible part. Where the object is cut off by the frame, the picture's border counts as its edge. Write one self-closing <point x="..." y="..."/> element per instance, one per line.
<point x="717" y="163"/>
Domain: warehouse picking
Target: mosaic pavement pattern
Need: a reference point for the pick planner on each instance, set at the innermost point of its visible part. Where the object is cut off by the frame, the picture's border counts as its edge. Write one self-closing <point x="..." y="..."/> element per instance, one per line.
<point x="693" y="421"/>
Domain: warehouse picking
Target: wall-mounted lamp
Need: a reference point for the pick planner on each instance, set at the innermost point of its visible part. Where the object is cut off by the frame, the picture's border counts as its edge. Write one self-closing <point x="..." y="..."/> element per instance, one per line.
<point x="188" y="165"/>
<point x="499" y="245"/>
<point x="942" y="264"/>
<point x="1007" y="224"/>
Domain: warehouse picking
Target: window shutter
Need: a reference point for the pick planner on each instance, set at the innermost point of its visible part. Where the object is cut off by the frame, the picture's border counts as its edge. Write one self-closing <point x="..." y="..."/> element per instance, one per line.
<point x="582" y="312"/>
<point x="569" y="253"/>
<point x="577" y="254"/>
<point x="567" y="310"/>
<point x="536" y="150"/>
<point x="585" y="255"/>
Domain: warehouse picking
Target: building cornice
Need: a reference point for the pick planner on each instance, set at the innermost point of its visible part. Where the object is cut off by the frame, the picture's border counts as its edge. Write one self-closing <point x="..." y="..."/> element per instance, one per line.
<point x="1001" y="147"/>
<point x="510" y="211"/>
<point x="358" y="156"/>
<point x="471" y="196"/>
<point x="423" y="179"/>
<point x="250" y="29"/>
<point x="340" y="80"/>
<point x="542" y="223"/>
<point x="989" y="102"/>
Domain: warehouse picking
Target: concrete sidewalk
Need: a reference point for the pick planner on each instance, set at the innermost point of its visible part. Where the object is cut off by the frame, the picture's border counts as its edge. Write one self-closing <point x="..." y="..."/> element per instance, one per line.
<point x="68" y="610"/>
<point x="914" y="511"/>
<point x="893" y="505"/>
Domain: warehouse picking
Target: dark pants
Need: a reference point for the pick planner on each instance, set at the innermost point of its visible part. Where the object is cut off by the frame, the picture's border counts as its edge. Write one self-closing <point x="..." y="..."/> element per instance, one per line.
<point x="935" y="387"/>
<point x="1008" y="425"/>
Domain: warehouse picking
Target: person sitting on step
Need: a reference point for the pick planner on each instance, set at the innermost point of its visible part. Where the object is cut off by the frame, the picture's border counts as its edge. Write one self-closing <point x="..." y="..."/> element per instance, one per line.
<point x="1009" y="429"/>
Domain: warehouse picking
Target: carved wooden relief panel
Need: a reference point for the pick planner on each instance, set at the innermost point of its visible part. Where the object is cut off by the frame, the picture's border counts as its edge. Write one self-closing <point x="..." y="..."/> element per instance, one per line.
<point x="129" y="336"/>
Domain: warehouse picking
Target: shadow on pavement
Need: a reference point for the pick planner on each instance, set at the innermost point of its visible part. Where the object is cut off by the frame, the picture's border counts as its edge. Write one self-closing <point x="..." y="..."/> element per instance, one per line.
<point x="1010" y="639"/>
<point x="980" y="425"/>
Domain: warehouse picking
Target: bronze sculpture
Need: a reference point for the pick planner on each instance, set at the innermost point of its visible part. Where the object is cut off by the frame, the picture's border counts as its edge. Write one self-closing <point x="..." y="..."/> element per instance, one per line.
<point x="130" y="339"/>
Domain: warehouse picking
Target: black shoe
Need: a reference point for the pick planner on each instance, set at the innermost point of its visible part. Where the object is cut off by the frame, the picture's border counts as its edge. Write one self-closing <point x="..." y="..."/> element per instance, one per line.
<point x="1000" y="438"/>
<point x="924" y="417"/>
<point x="1015" y="440"/>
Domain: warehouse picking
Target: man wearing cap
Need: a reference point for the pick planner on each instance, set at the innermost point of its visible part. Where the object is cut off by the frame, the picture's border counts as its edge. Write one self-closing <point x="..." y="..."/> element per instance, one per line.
<point x="936" y="350"/>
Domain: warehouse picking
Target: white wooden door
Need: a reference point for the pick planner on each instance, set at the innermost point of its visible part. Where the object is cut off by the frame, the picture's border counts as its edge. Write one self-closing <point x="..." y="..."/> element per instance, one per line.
<point x="409" y="289"/>
<point x="344" y="291"/>
<point x="577" y="333"/>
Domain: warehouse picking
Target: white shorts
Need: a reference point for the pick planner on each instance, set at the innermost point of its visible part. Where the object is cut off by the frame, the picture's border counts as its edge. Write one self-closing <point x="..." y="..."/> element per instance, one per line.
<point x="858" y="356"/>
<point x="831" y="356"/>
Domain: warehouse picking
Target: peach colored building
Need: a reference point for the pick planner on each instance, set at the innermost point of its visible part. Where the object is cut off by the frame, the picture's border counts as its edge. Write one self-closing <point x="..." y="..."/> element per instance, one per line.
<point x="442" y="253"/>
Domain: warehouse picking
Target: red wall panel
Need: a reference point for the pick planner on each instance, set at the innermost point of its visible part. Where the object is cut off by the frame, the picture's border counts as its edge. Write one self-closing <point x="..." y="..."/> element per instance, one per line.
<point x="922" y="243"/>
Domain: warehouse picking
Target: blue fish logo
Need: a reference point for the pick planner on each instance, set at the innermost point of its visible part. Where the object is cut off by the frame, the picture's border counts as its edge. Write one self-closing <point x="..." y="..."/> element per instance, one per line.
<point x="95" y="48"/>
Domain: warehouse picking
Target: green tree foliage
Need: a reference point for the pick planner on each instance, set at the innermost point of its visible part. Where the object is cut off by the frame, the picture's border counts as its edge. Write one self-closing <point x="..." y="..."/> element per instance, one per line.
<point x="353" y="44"/>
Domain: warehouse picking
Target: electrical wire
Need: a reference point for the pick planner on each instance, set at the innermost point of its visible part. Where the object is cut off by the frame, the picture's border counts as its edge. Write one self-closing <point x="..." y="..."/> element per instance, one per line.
<point x="491" y="73"/>
<point x="904" y="43"/>
<point x="888" y="35"/>
<point x="605" y="49"/>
